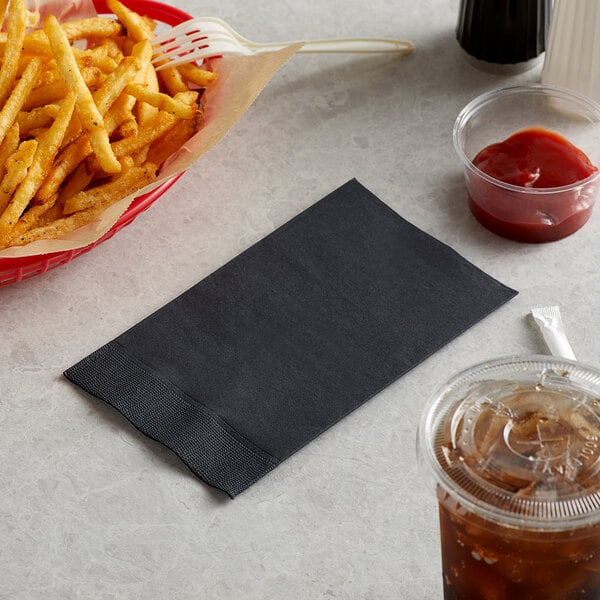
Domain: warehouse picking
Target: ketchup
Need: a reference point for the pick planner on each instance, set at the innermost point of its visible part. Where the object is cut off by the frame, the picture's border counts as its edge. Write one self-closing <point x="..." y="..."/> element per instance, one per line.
<point x="532" y="158"/>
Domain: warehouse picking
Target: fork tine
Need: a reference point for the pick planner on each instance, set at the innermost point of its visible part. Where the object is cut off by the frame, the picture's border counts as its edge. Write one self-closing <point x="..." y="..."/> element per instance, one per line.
<point x="190" y="27"/>
<point x="190" y="43"/>
<point x="178" y="46"/>
<point x="175" y="31"/>
<point x="176" y="57"/>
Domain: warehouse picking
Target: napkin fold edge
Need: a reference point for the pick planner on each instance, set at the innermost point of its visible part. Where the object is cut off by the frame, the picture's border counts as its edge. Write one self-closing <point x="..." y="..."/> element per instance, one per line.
<point x="194" y="433"/>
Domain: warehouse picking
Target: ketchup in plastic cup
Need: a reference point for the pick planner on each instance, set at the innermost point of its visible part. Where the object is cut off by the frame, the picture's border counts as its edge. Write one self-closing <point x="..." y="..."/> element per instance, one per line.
<point x="513" y="448"/>
<point x="530" y="156"/>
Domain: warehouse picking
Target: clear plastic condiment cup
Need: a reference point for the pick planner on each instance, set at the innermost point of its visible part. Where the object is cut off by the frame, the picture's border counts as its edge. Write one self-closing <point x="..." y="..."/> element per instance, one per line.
<point x="512" y="448"/>
<point x="529" y="214"/>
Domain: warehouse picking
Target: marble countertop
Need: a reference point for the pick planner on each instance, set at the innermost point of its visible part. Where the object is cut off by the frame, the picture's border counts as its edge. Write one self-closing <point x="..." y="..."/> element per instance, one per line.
<point x="92" y="509"/>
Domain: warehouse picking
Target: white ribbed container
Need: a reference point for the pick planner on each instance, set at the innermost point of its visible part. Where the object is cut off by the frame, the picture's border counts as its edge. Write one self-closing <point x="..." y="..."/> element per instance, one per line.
<point x="573" y="50"/>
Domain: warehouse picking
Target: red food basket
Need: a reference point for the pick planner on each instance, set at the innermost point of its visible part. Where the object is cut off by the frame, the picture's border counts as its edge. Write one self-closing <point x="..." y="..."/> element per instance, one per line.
<point x="13" y="270"/>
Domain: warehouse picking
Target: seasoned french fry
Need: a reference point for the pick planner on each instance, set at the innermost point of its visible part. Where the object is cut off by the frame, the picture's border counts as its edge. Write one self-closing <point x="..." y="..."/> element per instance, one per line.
<point x="44" y="155"/>
<point x="57" y="89"/>
<point x="77" y="182"/>
<point x="196" y="75"/>
<point x="115" y="83"/>
<point x="52" y="214"/>
<point x="180" y="106"/>
<point x="137" y="27"/>
<point x="20" y="92"/>
<point x="108" y="193"/>
<point x="91" y="119"/>
<point x="16" y="169"/>
<point x="119" y="112"/>
<point x="55" y="229"/>
<point x="36" y="118"/>
<point x="172" y="141"/>
<point x="49" y="73"/>
<point x="94" y="28"/>
<point x="65" y="163"/>
<point x="146" y="76"/>
<point x="146" y="135"/>
<point x="14" y="46"/>
<point x="9" y="146"/>
<point x="139" y="157"/>
<point x="113" y="46"/>
<point x="173" y="80"/>
<point x="128" y="128"/>
<point x="95" y="57"/>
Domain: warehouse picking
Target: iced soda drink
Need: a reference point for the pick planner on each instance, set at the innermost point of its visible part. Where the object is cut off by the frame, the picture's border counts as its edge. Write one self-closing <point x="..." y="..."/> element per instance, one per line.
<point x="514" y="445"/>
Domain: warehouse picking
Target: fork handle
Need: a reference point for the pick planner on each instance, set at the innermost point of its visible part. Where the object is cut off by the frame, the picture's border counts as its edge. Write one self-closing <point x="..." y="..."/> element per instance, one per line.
<point x="347" y="45"/>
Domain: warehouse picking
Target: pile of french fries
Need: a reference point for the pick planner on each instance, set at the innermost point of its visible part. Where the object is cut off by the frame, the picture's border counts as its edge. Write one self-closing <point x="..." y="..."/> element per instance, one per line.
<point x="85" y="118"/>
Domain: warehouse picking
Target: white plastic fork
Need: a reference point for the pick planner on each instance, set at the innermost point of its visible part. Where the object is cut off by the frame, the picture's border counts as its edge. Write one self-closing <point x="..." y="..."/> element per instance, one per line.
<point x="209" y="37"/>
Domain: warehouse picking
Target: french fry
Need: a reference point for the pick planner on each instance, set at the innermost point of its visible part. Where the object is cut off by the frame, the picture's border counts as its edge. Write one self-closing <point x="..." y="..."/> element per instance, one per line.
<point x="9" y="146"/>
<point x="65" y="163"/>
<point x="171" y="141"/>
<point x="128" y="128"/>
<point x="16" y="169"/>
<point x="57" y="228"/>
<point x="108" y="193"/>
<point x="119" y="112"/>
<point x="137" y="27"/>
<point x="142" y="50"/>
<point x="52" y="214"/>
<point x="113" y="46"/>
<point x="115" y="83"/>
<point x="94" y="28"/>
<point x="196" y="75"/>
<point x="91" y="119"/>
<point x="20" y="92"/>
<point x="44" y="155"/>
<point x="49" y="73"/>
<point x="95" y="57"/>
<point x="36" y="118"/>
<point x="77" y="182"/>
<point x="147" y="133"/>
<point x="16" y="33"/>
<point x="57" y="89"/>
<point x="184" y="109"/>
<point x="173" y="80"/>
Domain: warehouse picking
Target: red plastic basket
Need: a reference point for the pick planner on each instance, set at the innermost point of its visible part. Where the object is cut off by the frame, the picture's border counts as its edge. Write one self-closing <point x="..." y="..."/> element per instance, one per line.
<point x="13" y="270"/>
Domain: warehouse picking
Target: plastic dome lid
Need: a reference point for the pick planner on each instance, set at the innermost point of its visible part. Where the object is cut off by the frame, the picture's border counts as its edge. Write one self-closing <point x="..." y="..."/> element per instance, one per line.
<point x="517" y="440"/>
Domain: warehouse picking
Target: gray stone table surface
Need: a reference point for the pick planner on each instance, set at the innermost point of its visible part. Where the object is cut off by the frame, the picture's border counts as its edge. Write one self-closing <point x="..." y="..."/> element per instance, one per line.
<point x="92" y="509"/>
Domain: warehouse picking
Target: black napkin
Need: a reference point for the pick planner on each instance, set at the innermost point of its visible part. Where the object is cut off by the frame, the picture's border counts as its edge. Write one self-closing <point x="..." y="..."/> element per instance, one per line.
<point x="273" y="348"/>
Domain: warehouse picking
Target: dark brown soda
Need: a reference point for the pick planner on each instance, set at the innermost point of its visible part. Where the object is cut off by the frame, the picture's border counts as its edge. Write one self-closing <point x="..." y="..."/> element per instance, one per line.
<point x="482" y="560"/>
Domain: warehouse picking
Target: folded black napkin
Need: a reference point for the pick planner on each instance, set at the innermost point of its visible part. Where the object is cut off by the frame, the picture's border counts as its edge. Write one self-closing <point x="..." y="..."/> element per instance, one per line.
<point x="262" y="356"/>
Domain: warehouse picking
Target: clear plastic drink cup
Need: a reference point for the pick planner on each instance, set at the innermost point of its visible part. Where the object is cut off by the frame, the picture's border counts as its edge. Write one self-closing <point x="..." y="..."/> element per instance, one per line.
<point x="514" y="449"/>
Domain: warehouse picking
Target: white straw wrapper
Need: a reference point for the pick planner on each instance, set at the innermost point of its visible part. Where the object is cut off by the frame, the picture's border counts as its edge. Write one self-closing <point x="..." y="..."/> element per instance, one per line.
<point x="550" y="323"/>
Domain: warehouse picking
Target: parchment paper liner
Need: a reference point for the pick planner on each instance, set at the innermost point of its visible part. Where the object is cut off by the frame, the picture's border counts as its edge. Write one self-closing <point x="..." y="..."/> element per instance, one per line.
<point x="240" y="81"/>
